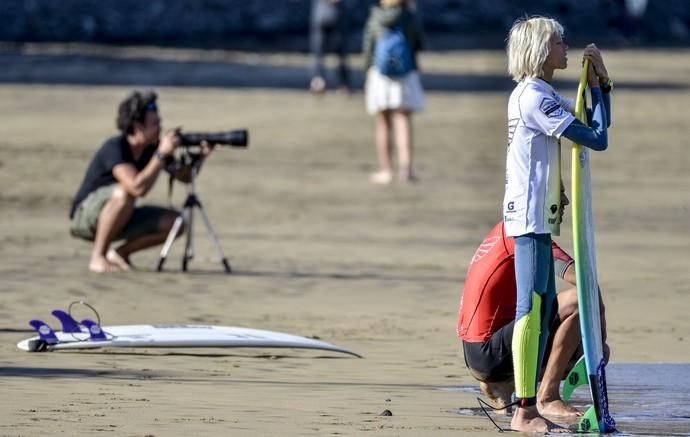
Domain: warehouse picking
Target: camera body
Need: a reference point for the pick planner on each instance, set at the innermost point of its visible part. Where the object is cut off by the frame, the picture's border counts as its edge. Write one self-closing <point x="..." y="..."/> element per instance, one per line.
<point x="234" y="138"/>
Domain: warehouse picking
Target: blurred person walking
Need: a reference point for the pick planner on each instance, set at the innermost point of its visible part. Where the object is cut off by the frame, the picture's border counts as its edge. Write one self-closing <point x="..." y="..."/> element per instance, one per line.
<point x="328" y="33"/>
<point x="392" y="38"/>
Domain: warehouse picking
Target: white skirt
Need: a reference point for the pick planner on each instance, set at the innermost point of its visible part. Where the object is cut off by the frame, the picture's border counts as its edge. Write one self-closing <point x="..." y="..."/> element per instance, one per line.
<point x="384" y="93"/>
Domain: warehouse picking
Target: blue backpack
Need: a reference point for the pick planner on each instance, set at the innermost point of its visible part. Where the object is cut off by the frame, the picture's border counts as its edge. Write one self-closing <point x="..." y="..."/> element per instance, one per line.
<point x="392" y="55"/>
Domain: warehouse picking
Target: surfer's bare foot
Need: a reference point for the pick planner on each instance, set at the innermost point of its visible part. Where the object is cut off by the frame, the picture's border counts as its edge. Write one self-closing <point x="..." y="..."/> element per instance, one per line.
<point x="557" y="408"/>
<point x="100" y="264"/>
<point x="527" y="419"/>
<point x="120" y="261"/>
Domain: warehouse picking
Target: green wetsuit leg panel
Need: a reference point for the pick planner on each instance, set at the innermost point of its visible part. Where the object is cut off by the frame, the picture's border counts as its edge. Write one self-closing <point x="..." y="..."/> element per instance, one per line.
<point x="526" y="350"/>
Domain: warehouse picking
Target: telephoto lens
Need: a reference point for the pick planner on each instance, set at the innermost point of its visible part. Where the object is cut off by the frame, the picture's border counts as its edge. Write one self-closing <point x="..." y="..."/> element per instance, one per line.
<point x="234" y="138"/>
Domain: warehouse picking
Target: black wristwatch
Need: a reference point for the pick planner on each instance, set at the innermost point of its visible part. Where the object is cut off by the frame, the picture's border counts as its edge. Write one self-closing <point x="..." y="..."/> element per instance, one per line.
<point x="165" y="159"/>
<point x="607" y="86"/>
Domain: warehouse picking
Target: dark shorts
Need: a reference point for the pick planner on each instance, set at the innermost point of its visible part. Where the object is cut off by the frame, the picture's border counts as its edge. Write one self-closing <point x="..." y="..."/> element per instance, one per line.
<point x="492" y="360"/>
<point x="145" y="219"/>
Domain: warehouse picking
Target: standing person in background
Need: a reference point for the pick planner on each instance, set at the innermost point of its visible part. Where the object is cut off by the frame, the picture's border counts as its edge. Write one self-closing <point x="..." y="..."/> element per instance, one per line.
<point x="537" y="118"/>
<point x="328" y="32"/>
<point x="392" y="38"/>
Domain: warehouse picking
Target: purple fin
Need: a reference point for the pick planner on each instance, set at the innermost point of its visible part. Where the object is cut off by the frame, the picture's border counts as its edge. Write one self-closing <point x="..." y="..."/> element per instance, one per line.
<point x="95" y="331"/>
<point x="44" y="331"/>
<point x="68" y="323"/>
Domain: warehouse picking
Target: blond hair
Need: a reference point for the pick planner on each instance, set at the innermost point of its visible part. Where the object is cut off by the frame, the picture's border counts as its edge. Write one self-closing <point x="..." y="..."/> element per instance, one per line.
<point x="528" y="46"/>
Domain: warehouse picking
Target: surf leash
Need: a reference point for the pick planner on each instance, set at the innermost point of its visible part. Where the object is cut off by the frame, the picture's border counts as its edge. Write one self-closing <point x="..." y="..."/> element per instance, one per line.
<point x="483" y="404"/>
<point x="89" y="306"/>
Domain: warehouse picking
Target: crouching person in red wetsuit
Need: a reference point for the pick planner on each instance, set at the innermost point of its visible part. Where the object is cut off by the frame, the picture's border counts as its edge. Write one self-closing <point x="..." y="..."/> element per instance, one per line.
<point x="487" y="316"/>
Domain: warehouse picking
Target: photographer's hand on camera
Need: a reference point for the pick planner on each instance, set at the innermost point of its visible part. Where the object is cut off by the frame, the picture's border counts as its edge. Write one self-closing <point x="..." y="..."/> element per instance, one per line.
<point x="207" y="149"/>
<point x="167" y="144"/>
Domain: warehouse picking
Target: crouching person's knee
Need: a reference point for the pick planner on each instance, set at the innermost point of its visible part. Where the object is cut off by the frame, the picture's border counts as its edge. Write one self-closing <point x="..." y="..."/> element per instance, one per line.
<point x="121" y="198"/>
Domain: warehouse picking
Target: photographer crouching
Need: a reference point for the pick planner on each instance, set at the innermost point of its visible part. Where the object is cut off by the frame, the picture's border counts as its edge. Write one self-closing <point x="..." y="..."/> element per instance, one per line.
<point x="123" y="170"/>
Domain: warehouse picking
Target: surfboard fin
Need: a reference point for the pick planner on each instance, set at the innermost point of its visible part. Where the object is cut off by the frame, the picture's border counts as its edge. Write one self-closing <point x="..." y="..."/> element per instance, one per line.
<point x="46" y="336"/>
<point x="576" y="378"/>
<point x="589" y="422"/>
<point x="67" y="322"/>
<point x="95" y="331"/>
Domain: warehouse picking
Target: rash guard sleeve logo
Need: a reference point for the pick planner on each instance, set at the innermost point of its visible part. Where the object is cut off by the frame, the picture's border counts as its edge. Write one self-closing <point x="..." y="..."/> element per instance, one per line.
<point x="550" y="107"/>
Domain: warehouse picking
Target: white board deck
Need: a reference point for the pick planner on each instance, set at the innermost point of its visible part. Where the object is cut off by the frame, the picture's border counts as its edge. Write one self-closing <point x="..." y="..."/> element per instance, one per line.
<point x="181" y="335"/>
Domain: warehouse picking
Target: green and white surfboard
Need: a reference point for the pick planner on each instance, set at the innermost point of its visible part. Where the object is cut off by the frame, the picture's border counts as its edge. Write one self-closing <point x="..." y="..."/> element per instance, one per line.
<point x="590" y="368"/>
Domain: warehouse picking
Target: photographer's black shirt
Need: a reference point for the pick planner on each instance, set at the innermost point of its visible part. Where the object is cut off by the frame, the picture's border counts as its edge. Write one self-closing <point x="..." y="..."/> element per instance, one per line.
<point x="114" y="151"/>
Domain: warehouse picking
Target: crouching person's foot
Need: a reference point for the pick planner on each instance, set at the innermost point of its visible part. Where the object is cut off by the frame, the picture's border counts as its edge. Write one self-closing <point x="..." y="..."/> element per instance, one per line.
<point x="557" y="408"/>
<point x="122" y="262"/>
<point x="499" y="394"/>
<point x="527" y="419"/>
<point x="100" y="264"/>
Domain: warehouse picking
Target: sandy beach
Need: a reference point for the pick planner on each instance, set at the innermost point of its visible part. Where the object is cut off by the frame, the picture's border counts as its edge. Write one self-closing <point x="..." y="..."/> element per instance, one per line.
<point x="316" y="249"/>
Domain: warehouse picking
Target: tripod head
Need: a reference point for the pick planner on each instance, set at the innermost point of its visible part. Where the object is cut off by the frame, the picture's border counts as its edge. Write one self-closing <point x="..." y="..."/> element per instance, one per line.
<point x="190" y="156"/>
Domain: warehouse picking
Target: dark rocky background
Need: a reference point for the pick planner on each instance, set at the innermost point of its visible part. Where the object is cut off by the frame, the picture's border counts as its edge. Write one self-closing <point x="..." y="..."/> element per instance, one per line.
<point x="270" y="25"/>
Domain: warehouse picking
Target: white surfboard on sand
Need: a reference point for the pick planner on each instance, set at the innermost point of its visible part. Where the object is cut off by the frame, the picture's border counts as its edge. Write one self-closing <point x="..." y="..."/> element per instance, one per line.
<point x="90" y="335"/>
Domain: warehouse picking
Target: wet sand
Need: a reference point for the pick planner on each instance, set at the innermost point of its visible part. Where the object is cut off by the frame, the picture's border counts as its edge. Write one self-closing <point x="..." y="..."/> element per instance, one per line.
<point x="318" y="251"/>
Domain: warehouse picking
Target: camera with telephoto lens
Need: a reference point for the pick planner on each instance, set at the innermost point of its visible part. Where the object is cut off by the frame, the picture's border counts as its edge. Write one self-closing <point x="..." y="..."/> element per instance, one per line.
<point x="234" y="138"/>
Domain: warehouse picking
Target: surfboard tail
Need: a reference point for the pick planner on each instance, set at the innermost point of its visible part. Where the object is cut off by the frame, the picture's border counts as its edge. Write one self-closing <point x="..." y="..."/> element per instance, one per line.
<point x="606" y="422"/>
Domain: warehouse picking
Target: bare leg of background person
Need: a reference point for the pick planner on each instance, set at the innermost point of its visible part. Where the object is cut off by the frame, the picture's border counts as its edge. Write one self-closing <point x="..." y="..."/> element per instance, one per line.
<point x="565" y="342"/>
<point x="383" y="148"/>
<point x="402" y="121"/>
<point x="120" y="256"/>
<point x="115" y="214"/>
<point x="318" y="82"/>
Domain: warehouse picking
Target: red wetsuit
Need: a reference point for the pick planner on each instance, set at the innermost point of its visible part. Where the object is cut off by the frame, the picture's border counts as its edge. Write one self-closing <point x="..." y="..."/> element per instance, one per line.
<point x="488" y="299"/>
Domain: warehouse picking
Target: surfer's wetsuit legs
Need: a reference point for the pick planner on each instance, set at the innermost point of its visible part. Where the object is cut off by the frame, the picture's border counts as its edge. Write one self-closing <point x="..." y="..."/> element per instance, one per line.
<point x="535" y="309"/>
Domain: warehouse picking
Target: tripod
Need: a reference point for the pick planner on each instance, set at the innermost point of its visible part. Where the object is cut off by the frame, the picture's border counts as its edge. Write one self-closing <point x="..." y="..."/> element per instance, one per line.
<point x="187" y="216"/>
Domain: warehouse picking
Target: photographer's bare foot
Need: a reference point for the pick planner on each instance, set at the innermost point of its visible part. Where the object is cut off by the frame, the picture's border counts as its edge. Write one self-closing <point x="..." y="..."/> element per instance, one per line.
<point x="527" y="419"/>
<point x="100" y="264"/>
<point x="558" y="408"/>
<point x="120" y="261"/>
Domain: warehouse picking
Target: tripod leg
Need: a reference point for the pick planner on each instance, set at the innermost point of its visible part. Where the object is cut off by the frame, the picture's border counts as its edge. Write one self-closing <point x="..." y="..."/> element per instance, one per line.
<point x="169" y="241"/>
<point x="214" y="238"/>
<point x="189" y="244"/>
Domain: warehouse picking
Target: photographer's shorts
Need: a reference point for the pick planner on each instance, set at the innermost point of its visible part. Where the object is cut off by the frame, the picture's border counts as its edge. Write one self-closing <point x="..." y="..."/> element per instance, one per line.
<point x="144" y="221"/>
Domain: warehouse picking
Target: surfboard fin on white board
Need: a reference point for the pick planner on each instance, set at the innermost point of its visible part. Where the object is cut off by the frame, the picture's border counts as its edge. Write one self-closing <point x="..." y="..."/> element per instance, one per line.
<point x="67" y="322"/>
<point x="576" y="378"/>
<point x="95" y="331"/>
<point x="45" y="332"/>
<point x="46" y="336"/>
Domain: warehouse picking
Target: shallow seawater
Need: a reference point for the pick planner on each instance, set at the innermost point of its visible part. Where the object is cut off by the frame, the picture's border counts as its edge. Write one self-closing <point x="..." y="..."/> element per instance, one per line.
<point x="644" y="399"/>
